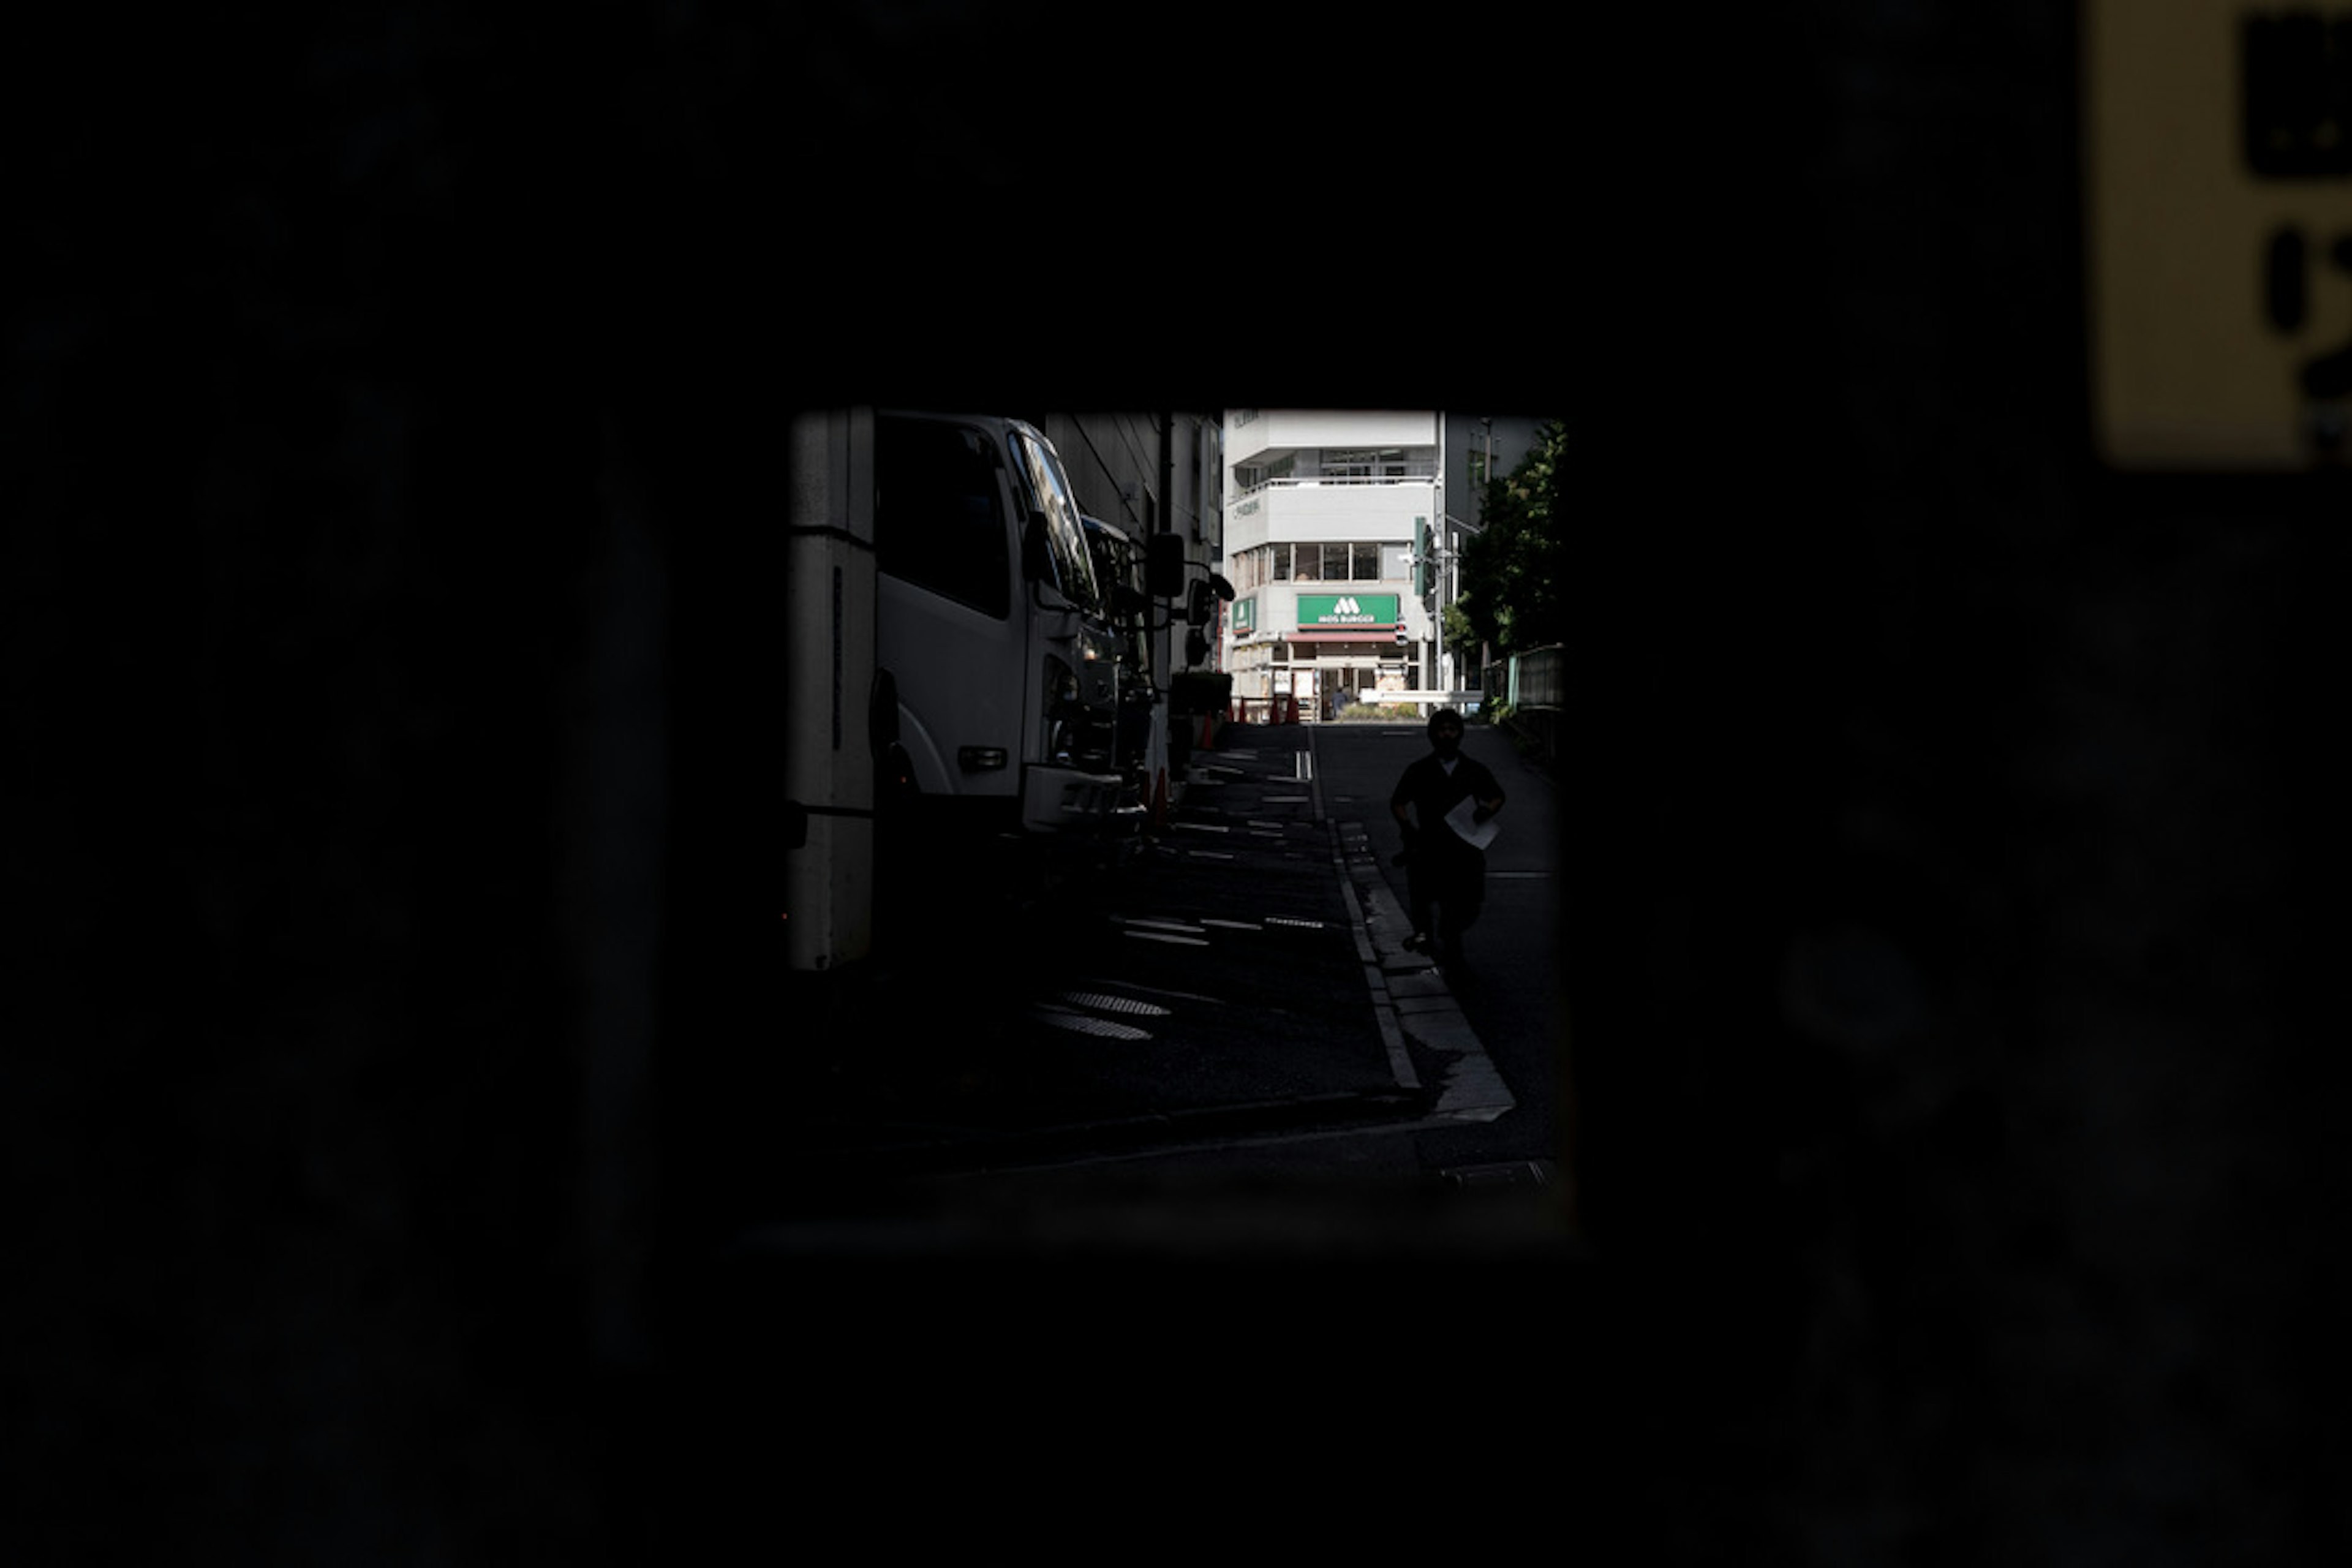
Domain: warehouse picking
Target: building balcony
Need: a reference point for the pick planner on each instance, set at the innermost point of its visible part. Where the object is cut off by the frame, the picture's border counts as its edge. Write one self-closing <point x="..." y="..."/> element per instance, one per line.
<point x="1335" y="510"/>
<point x="1252" y="431"/>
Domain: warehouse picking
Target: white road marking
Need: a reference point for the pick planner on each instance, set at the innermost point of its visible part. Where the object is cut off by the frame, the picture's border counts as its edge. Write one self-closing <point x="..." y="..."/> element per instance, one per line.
<point x="1160" y="923"/>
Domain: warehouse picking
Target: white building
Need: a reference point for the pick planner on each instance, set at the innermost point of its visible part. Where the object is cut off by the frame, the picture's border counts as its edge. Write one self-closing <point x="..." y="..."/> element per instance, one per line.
<point x="1325" y="513"/>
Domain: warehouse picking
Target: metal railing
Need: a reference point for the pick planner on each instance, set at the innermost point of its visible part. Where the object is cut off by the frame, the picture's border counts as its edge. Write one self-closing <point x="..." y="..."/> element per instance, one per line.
<point x="1535" y="678"/>
<point x="1418" y="476"/>
<point x="1535" y="685"/>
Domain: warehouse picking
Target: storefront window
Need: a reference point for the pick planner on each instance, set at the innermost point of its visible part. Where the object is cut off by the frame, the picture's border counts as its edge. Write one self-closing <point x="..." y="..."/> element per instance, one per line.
<point x="1366" y="562"/>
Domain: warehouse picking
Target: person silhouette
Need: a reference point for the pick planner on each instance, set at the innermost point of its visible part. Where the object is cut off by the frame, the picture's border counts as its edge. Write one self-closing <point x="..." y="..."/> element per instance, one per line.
<point x="1446" y="874"/>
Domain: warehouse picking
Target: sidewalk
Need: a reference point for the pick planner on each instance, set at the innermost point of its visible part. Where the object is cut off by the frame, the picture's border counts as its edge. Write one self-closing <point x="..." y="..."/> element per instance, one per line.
<point x="1244" y="975"/>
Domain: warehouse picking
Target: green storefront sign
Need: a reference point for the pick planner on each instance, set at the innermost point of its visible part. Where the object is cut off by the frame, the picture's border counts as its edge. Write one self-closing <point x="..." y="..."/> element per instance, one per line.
<point x="1321" y="611"/>
<point x="1245" y="616"/>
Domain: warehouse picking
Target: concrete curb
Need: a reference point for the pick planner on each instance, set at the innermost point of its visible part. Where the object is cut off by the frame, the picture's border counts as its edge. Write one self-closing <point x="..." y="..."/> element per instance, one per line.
<point x="976" y="1152"/>
<point x="1411" y="998"/>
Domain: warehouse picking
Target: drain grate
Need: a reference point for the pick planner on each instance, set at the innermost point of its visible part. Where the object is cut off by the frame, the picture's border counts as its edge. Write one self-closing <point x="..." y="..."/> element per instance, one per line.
<point x="1294" y="922"/>
<point x="1102" y="1002"/>
<point x="1502" y="1174"/>
<point x="1087" y="1023"/>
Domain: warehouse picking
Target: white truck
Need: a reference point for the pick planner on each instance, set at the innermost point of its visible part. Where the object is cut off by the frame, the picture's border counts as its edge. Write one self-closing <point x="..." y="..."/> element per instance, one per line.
<point x="953" y="673"/>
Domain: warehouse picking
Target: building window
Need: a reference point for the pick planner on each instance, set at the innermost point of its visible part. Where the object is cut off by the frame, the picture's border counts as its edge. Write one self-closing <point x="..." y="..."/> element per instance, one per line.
<point x="1360" y="561"/>
<point x="1389" y="463"/>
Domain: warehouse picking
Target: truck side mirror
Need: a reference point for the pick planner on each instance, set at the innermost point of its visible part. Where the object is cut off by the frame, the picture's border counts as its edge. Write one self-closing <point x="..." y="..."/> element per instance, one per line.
<point x="1196" y="604"/>
<point x="1196" y="647"/>
<point x="1163" y="566"/>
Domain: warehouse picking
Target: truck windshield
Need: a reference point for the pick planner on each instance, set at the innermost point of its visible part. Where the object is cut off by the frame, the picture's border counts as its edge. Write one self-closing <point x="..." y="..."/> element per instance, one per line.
<point x="1065" y="537"/>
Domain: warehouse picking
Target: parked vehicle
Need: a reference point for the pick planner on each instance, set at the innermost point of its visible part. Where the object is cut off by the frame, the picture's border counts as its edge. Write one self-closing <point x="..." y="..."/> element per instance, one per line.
<point x="1119" y="566"/>
<point x="941" y="573"/>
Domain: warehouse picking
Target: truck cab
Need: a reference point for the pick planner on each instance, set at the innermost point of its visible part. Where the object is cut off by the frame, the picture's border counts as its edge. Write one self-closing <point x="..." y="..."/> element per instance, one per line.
<point x="992" y="631"/>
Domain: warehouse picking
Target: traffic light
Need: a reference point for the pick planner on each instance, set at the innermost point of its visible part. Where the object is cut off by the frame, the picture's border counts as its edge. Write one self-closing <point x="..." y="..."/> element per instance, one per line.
<point x="1400" y="635"/>
<point x="1420" y="556"/>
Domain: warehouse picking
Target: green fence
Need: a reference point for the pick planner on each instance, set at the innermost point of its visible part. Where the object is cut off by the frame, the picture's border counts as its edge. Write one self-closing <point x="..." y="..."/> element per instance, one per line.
<point x="1533" y="687"/>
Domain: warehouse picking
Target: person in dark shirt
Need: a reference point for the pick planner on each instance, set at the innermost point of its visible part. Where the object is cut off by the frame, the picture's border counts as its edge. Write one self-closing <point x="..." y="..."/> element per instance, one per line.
<point x="1443" y="870"/>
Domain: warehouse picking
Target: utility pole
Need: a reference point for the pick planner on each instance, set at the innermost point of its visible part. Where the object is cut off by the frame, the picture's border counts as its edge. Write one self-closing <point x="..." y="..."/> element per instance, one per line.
<point x="1485" y="478"/>
<point x="1438" y="598"/>
<point x="1430" y="559"/>
<point x="1437" y="546"/>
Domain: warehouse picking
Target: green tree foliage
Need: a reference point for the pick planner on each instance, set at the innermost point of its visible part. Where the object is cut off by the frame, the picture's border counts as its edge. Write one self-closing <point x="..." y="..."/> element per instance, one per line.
<point x="1515" y="572"/>
<point x="1460" y="630"/>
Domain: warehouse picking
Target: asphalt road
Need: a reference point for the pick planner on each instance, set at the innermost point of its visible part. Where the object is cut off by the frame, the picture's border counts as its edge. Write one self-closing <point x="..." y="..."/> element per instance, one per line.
<point x="1509" y="990"/>
<point x="1223" y="1047"/>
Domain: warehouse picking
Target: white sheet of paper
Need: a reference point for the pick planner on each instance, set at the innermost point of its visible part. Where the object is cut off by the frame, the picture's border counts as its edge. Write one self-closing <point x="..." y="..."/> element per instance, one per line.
<point x="1476" y="833"/>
